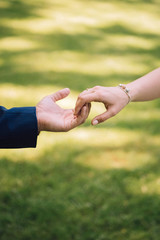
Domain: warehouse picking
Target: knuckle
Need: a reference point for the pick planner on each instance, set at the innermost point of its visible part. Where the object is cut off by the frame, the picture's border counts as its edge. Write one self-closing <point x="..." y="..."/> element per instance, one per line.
<point x="101" y="119"/>
<point x="112" y="112"/>
<point x="100" y="94"/>
<point x="66" y="130"/>
<point x="83" y="121"/>
<point x="96" y="87"/>
<point x="81" y="97"/>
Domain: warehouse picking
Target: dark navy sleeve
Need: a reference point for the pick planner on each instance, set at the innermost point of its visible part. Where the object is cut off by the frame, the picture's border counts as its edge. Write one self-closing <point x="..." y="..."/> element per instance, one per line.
<point x="18" y="127"/>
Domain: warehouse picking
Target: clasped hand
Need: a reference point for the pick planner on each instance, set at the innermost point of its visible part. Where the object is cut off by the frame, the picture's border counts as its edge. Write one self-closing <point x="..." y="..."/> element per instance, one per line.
<point x="52" y="117"/>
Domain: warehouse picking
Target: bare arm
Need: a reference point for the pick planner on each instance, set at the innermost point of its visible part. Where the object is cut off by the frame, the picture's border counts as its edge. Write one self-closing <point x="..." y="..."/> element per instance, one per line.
<point x="114" y="99"/>
<point x="146" y="88"/>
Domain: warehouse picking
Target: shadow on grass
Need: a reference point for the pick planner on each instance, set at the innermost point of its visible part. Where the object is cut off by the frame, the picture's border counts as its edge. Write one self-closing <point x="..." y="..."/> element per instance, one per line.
<point x="148" y="126"/>
<point x="75" y="81"/>
<point x="91" y="42"/>
<point x="17" y="9"/>
<point x="85" y="43"/>
<point x="59" y="198"/>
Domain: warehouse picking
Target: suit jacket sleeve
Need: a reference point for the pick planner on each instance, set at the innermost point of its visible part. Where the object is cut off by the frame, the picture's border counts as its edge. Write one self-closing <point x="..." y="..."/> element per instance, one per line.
<point x="18" y="127"/>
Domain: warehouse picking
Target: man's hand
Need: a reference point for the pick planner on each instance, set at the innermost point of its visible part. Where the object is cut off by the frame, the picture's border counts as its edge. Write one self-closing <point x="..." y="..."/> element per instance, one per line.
<point x="113" y="98"/>
<point x="53" y="118"/>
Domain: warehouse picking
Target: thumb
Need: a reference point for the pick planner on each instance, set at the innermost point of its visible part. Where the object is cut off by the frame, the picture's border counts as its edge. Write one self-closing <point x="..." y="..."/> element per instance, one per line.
<point x="60" y="94"/>
<point x="104" y="116"/>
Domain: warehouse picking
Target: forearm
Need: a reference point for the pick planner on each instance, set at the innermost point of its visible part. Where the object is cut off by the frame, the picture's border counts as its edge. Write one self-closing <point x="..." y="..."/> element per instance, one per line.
<point x="145" y="88"/>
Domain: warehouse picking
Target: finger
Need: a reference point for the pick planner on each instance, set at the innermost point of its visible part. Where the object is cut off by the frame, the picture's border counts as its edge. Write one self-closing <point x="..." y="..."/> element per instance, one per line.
<point x="78" y="120"/>
<point x="104" y="116"/>
<point x="88" y="105"/>
<point x="82" y="100"/>
<point x="60" y="94"/>
<point x="92" y="90"/>
<point x="88" y="90"/>
<point x="89" y="108"/>
<point x="84" y="113"/>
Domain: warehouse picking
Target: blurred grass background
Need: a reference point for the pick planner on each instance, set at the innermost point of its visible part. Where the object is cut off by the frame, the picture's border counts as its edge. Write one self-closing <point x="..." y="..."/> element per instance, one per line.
<point x="93" y="183"/>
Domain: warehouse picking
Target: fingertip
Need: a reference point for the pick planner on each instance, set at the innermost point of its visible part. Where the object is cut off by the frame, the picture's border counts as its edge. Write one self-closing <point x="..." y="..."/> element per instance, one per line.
<point x="59" y="95"/>
<point x="66" y="90"/>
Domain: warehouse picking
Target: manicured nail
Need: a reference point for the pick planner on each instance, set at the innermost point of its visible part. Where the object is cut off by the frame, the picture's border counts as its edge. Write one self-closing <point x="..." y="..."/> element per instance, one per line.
<point x="95" y="122"/>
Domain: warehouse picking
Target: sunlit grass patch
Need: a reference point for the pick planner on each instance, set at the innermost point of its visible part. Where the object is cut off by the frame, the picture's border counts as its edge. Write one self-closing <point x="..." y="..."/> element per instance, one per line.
<point x="93" y="183"/>
<point x="15" y="44"/>
<point x="73" y="62"/>
<point x="123" y="138"/>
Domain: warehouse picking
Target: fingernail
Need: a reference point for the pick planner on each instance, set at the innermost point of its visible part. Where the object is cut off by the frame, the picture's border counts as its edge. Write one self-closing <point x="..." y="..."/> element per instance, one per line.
<point x="95" y="122"/>
<point x="67" y="89"/>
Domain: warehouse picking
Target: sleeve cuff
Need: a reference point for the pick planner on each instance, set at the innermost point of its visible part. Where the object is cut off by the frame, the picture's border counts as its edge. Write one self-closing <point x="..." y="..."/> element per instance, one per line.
<point x="19" y="128"/>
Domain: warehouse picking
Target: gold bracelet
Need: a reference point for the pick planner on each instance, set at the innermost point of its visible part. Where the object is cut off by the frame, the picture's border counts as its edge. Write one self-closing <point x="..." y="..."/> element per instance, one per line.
<point x="126" y="90"/>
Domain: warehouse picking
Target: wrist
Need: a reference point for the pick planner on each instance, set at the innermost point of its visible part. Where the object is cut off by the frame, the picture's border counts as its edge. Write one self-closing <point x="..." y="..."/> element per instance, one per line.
<point x="126" y="90"/>
<point x="133" y="92"/>
<point x="39" y="121"/>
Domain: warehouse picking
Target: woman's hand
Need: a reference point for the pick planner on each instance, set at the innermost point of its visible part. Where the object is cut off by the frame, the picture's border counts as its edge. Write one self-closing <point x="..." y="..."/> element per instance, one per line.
<point x="53" y="118"/>
<point x="113" y="98"/>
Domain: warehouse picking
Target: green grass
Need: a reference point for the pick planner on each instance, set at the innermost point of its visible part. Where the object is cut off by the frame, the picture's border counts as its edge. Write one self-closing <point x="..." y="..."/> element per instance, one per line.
<point x="63" y="199"/>
<point x="93" y="183"/>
